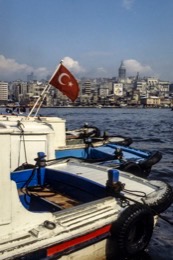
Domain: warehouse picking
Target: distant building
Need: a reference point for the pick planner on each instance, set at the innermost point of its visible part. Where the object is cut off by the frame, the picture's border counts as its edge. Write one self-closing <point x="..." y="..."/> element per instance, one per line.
<point x="151" y="101"/>
<point x="122" y="72"/>
<point x="152" y="81"/>
<point x="118" y="89"/>
<point x="103" y="91"/>
<point x="164" y="87"/>
<point x="171" y="89"/>
<point x="30" y="77"/>
<point x="87" y="87"/>
<point x="141" y="85"/>
<point x="3" y="92"/>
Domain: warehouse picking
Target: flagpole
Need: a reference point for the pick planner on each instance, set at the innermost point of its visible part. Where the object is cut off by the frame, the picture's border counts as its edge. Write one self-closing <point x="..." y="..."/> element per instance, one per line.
<point x="41" y="98"/>
<point x="56" y="70"/>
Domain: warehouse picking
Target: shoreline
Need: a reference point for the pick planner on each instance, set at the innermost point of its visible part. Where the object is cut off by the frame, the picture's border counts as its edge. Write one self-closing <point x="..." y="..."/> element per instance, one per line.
<point x="103" y="107"/>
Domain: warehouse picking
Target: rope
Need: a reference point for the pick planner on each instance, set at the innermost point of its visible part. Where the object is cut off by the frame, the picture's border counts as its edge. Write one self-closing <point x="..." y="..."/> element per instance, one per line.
<point x="116" y="188"/>
<point x="152" y="210"/>
<point x="25" y="185"/>
<point x="136" y="193"/>
<point x="20" y="127"/>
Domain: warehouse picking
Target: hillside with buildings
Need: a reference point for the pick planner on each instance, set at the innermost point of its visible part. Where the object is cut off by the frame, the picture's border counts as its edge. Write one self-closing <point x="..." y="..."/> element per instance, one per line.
<point x="118" y="91"/>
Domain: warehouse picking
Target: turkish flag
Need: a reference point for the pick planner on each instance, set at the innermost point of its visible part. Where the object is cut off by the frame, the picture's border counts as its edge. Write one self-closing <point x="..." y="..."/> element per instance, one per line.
<point x="63" y="80"/>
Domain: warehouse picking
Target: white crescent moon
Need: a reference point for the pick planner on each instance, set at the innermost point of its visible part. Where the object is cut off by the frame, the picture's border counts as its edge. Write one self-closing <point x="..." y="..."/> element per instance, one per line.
<point x="61" y="76"/>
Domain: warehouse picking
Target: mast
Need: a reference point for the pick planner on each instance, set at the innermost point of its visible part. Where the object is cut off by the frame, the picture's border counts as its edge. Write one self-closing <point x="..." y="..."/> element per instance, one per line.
<point x="42" y="95"/>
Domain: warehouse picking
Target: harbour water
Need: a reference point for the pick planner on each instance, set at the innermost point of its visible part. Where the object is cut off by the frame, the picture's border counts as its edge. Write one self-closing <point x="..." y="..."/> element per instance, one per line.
<point x="150" y="129"/>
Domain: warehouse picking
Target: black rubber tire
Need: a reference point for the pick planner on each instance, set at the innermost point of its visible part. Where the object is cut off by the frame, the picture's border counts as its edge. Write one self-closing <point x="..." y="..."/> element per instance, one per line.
<point x="133" y="168"/>
<point x="133" y="230"/>
<point x="159" y="203"/>
<point x="153" y="159"/>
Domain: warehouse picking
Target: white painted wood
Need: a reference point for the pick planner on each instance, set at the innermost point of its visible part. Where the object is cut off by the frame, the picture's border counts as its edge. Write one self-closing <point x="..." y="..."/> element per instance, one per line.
<point x="40" y="135"/>
<point x="5" y="183"/>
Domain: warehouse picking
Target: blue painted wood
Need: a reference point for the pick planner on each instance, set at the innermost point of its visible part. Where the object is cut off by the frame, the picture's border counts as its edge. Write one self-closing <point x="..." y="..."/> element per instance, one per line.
<point x="105" y="151"/>
<point x="79" y="153"/>
<point x="21" y="177"/>
<point x="75" y="186"/>
<point x="130" y="150"/>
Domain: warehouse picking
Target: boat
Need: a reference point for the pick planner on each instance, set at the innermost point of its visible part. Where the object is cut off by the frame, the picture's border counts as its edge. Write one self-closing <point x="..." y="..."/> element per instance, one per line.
<point x="79" y="135"/>
<point x="15" y="109"/>
<point x="83" y="132"/>
<point x="138" y="162"/>
<point x="48" y="133"/>
<point x="71" y="210"/>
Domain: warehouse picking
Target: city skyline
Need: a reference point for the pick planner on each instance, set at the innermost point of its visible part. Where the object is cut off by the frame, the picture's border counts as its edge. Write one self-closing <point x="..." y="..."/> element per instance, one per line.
<point x="92" y="38"/>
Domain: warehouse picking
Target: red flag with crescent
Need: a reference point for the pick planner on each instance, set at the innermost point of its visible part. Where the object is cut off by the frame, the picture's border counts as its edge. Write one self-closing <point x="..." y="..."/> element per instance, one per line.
<point x="63" y="80"/>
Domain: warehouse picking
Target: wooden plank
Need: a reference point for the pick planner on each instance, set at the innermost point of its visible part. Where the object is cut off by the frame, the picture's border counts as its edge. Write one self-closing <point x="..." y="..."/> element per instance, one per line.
<point x="50" y="195"/>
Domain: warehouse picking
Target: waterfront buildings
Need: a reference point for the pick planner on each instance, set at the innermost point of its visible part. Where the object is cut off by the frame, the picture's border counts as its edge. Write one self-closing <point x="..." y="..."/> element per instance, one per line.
<point x="116" y="91"/>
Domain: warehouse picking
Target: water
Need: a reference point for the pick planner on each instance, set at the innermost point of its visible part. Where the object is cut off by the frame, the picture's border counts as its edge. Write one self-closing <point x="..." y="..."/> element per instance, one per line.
<point x="150" y="129"/>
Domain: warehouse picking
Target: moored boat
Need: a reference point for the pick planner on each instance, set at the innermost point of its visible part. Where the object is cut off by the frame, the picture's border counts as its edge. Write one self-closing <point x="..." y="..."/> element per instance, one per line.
<point x="79" y="135"/>
<point x="69" y="208"/>
<point x="72" y="209"/>
<point x="138" y="162"/>
<point x="48" y="133"/>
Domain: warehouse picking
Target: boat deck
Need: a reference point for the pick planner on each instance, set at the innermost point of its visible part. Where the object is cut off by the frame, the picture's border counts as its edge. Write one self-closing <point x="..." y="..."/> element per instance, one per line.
<point x="50" y="196"/>
<point x="71" y="183"/>
<point x="97" y="173"/>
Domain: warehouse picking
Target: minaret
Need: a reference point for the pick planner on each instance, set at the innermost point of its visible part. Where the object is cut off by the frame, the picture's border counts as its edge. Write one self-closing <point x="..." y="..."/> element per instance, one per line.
<point x="122" y="71"/>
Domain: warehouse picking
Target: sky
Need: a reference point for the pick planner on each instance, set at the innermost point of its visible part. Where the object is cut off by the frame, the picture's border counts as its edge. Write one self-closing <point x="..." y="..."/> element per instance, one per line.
<point x="92" y="38"/>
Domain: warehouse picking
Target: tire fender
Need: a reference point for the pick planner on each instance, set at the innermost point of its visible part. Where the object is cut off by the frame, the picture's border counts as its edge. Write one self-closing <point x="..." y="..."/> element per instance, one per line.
<point x="153" y="159"/>
<point x="133" y="168"/>
<point x="133" y="230"/>
<point x="160" y="200"/>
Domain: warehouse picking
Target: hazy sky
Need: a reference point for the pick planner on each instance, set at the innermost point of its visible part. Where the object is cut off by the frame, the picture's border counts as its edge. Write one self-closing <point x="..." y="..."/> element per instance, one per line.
<point x="92" y="37"/>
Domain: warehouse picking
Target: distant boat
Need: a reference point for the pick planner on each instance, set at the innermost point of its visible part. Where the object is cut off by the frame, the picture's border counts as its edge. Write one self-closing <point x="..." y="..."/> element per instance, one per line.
<point x="123" y="105"/>
<point x="98" y="106"/>
<point x="15" y="110"/>
<point x="80" y="134"/>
